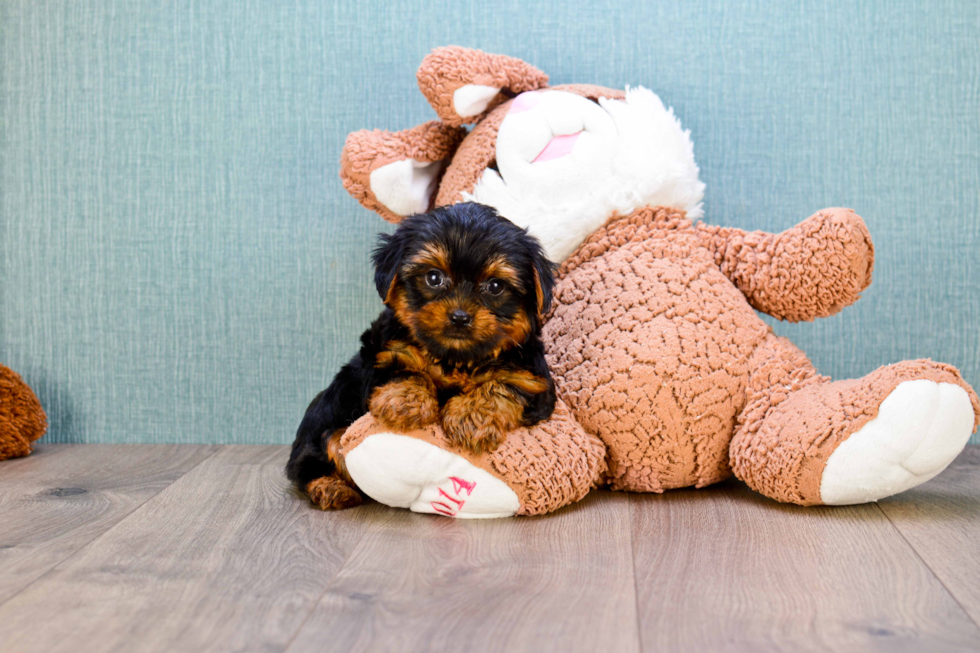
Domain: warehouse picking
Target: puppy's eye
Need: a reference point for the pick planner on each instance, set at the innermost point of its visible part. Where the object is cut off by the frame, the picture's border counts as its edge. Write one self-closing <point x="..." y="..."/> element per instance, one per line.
<point x="493" y="287"/>
<point x="435" y="279"/>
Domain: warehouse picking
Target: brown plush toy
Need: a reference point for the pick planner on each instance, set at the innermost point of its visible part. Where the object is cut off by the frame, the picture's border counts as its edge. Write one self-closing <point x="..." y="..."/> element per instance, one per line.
<point x="22" y="420"/>
<point x="660" y="361"/>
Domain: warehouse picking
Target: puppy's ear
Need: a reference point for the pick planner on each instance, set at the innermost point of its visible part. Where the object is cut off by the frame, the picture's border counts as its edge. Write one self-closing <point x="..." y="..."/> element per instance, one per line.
<point x="463" y="84"/>
<point x="544" y="282"/>
<point x="396" y="173"/>
<point x="387" y="259"/>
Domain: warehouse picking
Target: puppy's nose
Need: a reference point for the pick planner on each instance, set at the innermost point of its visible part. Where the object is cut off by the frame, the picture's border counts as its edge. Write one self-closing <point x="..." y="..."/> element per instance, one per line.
<point x="460" y="318"/>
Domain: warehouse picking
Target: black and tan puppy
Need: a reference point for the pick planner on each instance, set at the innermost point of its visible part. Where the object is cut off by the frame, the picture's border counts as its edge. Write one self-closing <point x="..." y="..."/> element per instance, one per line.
<point x="458" y="342"/>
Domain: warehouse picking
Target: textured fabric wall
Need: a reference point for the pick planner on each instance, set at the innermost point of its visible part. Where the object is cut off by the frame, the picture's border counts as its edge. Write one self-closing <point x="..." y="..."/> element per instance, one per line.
<point x="180" y="263"/>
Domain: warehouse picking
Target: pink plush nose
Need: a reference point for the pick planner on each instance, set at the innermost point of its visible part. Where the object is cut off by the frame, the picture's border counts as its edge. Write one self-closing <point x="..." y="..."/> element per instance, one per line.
<point x="525" y="102"/>
<point x="559" y="146"/>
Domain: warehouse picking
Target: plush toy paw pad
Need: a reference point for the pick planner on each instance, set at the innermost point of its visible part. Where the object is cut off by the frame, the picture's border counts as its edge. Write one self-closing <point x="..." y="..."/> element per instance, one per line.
<point x="920" y="428"/>
<point x="404" y="472"/>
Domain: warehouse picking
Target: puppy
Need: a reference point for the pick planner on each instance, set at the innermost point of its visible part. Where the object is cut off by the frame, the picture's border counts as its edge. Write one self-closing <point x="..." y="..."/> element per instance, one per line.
<point x="458" y="343"/>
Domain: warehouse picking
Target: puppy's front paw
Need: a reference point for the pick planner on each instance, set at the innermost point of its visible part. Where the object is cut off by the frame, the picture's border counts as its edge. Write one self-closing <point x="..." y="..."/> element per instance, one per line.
<point x="331" y="493"/>
<point x="405" y="404"/>
<point x="479" y="420"/>
<point x="465" y="432"/>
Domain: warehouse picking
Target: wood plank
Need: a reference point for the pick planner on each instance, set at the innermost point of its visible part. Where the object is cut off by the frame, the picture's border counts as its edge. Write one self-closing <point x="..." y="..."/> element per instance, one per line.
<point x="61" y="497"/>
<point x="561" y="582"/>
<point x="226" y="558"/>
<point x="723" y="568"/>
<point x="941" y="521"/>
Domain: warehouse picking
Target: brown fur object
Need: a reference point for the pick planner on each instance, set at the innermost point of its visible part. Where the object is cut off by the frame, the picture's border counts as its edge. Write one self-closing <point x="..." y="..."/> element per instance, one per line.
<point x="22" y="420"/>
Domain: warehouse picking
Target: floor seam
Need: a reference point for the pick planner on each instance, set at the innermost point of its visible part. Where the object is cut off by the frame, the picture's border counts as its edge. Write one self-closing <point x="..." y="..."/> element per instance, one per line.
<point x="98" y="537"/>
<point x="928" y="566"/>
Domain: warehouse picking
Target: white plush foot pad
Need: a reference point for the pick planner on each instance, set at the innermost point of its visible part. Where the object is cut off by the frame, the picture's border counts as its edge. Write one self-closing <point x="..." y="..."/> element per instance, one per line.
<point x="403" y="472"/>
<point x="920" y="428"/>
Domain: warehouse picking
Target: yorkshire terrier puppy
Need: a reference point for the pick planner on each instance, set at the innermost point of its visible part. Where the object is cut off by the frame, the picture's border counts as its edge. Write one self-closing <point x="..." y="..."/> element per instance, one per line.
<point x="458" y="343"/>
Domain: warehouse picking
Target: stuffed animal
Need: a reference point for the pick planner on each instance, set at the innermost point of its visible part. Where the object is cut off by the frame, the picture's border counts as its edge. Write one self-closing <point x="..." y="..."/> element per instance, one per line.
<point x="22" y="420"/>
<point x="666" y="375"/>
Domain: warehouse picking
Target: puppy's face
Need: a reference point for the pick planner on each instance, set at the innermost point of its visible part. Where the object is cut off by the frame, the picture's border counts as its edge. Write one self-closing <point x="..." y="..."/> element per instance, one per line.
<point x="466" y="282"/>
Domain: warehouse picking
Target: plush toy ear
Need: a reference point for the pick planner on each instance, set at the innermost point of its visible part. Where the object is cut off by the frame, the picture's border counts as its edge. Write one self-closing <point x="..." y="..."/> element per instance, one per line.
<point x="396" y="173"/>
<point x="463" y="84"/>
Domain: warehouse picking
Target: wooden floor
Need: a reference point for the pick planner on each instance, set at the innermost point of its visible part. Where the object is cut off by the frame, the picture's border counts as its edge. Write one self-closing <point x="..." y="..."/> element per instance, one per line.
<point x="198" y="548"/>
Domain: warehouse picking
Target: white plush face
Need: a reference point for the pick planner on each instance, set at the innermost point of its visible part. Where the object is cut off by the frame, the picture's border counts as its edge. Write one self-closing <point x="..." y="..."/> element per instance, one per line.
<point x="567" y="164"/>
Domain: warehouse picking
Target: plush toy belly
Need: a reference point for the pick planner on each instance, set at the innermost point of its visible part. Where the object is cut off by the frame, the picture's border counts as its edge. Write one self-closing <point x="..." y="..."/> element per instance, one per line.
<point x="651" y="354"/>
<point x="534" y="471"/>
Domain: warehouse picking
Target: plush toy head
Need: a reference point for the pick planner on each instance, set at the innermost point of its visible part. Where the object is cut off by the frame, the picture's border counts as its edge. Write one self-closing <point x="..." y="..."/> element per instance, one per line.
<point x="22" y="420"/>
<point x="558" y="161"/>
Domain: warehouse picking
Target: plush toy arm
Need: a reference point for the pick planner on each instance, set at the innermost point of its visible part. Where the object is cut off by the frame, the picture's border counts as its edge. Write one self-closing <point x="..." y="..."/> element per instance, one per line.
<point x="808" y="271"/>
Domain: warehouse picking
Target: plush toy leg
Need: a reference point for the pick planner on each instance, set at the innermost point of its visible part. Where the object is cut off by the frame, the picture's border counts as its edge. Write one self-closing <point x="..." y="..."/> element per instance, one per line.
<point x="404" y="472"/>
<point x="804" y="439"/>
<point x="533" y="471"/>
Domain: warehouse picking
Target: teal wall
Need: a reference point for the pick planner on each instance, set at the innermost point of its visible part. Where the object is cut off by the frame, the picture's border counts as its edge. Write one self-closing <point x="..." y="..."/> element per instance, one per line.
<point x="180" y="263"/>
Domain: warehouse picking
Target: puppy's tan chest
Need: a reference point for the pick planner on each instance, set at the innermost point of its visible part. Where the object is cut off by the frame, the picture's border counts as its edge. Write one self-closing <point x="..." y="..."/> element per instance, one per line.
<point x="461" y="379"/>
<point x="415" y="360"/>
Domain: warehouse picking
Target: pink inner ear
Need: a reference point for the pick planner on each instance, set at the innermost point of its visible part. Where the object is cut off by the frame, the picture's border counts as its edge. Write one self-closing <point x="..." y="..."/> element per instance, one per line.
<point x="557" y="147"/>
<point x="525" y="102"/>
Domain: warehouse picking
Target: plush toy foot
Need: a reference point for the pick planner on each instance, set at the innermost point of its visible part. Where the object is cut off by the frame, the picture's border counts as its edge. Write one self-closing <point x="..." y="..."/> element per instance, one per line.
<point x="534" y="470"/>
<point x="920" y="428"/>
<point x="861" y="440"/>
<point x="406" y="404"/>
<point x="405" y="472"/>
<point x="331" y="493"/>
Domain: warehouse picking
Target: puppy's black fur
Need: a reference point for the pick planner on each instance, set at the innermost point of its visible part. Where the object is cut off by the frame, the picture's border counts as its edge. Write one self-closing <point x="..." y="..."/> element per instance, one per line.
<point x="462" y="242"/>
